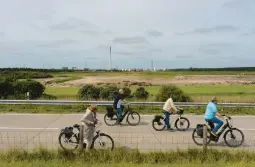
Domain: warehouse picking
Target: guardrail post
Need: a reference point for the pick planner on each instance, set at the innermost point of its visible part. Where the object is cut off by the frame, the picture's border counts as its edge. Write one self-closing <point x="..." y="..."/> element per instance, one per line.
<point x="81" y="138"/>
<point x="204" y="138"/>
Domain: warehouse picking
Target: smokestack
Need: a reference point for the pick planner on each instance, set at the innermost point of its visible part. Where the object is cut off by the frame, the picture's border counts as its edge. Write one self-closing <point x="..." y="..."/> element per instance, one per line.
<point x="110" y="61"/>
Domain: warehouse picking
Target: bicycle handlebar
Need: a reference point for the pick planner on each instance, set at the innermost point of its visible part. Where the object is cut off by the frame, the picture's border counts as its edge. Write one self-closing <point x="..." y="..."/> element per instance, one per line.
<point x="224" y="115"/>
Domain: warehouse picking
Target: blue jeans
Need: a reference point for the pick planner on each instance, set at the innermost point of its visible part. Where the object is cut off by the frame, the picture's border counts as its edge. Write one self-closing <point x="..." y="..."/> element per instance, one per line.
<point x="119" y="111"/>
<point x="217" y="121"/>
<point x="167" y="120"/>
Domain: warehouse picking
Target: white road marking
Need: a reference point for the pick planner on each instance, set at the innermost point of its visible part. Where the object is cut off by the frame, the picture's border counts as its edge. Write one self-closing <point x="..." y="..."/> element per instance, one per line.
<point x="12" y="128"/>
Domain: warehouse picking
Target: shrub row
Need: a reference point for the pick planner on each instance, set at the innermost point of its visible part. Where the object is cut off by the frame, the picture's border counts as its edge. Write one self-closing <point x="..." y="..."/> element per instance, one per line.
<point x="109" y="92"/>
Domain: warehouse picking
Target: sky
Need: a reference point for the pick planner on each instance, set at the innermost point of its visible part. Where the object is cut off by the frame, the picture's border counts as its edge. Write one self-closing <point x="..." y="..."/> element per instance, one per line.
<point x="172" y="33"/>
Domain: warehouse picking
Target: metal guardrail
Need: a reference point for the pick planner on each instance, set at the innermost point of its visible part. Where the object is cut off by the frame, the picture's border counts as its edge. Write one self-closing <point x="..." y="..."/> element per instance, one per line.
<point x="104" y="103"/>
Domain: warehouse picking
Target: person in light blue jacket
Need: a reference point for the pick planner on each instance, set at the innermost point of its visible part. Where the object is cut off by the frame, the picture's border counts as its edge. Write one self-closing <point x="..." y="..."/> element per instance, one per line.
<point x="210" y="116"/>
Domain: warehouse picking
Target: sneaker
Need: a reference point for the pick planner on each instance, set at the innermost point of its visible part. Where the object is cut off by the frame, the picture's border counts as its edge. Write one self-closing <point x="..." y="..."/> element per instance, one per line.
<point x="170" y="128"/>
<point x="84" y="145"/>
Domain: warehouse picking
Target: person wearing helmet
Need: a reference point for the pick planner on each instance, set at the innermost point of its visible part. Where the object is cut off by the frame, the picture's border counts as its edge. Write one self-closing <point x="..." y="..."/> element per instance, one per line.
<point x="210" y="116"/>
<point x="89" y="120"/>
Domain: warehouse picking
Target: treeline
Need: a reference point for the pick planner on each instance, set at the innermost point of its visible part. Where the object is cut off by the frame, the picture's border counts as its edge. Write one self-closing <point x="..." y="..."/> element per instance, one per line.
<point x="25" y="74"/>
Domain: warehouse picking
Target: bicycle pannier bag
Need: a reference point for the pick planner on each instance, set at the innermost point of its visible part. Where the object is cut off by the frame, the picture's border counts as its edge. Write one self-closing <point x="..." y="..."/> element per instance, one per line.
<point x="110" y="112"/>
<point x="199" y="130"/>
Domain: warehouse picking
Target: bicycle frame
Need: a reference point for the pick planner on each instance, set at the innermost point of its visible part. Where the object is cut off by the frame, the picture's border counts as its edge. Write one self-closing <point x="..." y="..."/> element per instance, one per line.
<point x="125" y="113"/>
<point x="224" y="127"/>
<point x="172" y="120"/>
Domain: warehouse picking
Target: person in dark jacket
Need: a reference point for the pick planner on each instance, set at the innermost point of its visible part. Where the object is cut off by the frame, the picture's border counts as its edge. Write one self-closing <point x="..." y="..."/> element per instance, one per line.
<point x="117" y="98"/>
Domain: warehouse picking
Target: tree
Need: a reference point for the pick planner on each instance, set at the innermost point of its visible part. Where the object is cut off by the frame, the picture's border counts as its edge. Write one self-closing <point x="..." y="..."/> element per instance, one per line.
<point x="6" y="88"/>
<point x="109" y="92"/>
<point x="88" y="92"/>
<point x="141" y="93"/>
<point x="173" y="91"/>
<point x="34" y="88"/>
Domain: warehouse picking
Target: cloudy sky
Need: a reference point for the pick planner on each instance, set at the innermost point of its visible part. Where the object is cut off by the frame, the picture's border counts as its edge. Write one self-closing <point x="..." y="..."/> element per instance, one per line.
<point x="172" y="33"/>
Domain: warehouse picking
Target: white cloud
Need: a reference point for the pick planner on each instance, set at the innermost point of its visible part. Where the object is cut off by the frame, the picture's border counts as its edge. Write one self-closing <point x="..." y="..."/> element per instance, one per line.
<point x="64" y="32"/>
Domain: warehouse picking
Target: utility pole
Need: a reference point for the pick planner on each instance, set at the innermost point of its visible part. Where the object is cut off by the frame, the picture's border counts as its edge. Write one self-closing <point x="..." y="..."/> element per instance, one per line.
<point x="110" y="61"/>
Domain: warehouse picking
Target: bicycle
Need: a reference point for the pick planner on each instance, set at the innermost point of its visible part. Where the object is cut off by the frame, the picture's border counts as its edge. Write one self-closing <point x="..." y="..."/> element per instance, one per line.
<point x="112" y="115"/>
<point x="160" y="120"/>
<point x="227" y="125"/>
<point x="69" y="134"/>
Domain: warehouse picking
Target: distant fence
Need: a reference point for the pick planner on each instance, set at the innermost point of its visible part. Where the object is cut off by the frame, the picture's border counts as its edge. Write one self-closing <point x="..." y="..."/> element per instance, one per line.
<point x="104" y="103"/>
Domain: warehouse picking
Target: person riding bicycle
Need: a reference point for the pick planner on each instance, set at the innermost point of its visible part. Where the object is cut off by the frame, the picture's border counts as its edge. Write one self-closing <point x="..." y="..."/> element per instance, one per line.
<point x="210" y="116"/>
<point x="167" y="110"/>
<point x="120" y="107"/>
<point x="89" y="120"/>
<point x="117" y="98"/>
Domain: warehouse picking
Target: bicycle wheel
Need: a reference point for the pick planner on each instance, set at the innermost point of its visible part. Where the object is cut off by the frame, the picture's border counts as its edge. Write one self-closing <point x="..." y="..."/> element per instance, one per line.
<point x="110" y="121"/>
<point x="182" y="124"/>
<point x="198" y="140"/>
<point x="131" y="118"/>
<point x="233" y="135"/>
<point x="73" y="141"/>
<point x="101" y="140"/>
<point x="158" y="124"/>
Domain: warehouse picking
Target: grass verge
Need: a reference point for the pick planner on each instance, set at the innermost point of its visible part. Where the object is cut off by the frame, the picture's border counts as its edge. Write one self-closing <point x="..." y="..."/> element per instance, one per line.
<point x="29" y="108"/>
<point x="133" y="158"/>
<point x="200" y="93"/>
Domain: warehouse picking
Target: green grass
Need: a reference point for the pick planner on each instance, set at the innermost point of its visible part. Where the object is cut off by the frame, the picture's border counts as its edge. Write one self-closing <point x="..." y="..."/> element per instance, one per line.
<point x="59" y="163"/>
<point x="29" y="108"/>
<point x="203" y="93"/>
<point x="134" y="158"/>
<point x="63" y="92"/>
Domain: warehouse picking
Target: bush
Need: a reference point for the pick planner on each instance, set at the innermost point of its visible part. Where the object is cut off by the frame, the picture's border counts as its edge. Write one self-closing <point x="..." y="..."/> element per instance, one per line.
<point x="88" y="92"/>
<point x="34" y="88"/>
<point x="109" y="92"/>
<point x="171" y="90"/>
<point x="6" y="88"/>
<point x="127" y="92"/>
<point x="141" y="93"/>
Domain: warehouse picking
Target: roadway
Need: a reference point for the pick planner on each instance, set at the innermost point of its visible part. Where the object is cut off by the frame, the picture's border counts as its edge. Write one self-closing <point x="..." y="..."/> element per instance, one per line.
<point x="32" y="130"/>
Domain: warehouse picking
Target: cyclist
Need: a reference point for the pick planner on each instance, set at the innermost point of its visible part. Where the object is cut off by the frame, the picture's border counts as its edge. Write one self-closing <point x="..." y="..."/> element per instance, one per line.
<point x="117" y="98"/>
<point x="89" y="120"/>
<point x="167" y="110"/>
<point x="210" y="116"/>
<point x="120" y="108"/>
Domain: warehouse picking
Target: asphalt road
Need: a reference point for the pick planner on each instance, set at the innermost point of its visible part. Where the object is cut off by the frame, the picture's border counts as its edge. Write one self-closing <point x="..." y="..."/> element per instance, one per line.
<point x="33" y="130"/>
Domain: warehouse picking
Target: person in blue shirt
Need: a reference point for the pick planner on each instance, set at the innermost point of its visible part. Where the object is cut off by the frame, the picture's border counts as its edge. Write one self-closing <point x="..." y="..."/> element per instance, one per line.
<point x="210" y="116"/>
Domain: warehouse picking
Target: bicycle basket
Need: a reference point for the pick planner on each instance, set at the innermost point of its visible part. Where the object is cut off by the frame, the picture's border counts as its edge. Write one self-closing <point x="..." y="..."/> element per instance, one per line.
<point x="199" y="130"/>
<point x="180" y="111"/>
<point x="110" y="111"/>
